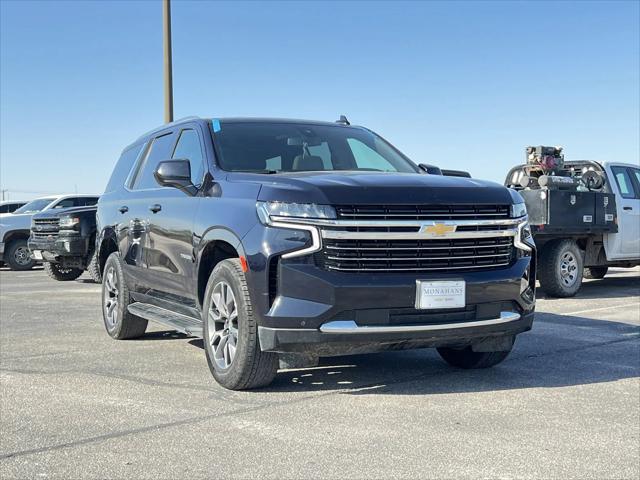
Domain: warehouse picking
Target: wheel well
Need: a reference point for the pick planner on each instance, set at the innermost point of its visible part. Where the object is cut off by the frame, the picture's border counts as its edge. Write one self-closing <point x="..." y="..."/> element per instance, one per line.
<point x="213" y="253"/>
<point x="16" y="235"/>
<point x="107" y="247"/>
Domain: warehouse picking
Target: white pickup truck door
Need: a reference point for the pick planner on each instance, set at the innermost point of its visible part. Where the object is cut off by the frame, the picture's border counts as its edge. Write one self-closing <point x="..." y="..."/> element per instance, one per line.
<point x="625" y="244"/>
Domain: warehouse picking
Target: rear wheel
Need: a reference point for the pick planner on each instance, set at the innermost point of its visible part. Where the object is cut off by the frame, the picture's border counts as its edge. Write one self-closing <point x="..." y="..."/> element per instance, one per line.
<point x="119" y="322"/>
<point x="467" y="358"/>
<point x="595" y="272"/>
<point x="61" y="274"/>
<point x="560" y="268"/>
<point x="17" y="255"/>
<point x="231" y="332"/>
<point x="93" y="268"/>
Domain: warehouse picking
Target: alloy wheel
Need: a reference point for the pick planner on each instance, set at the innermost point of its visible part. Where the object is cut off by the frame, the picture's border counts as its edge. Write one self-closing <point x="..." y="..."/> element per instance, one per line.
<point x="222" y="320"/>
<point x="111" y="296"/>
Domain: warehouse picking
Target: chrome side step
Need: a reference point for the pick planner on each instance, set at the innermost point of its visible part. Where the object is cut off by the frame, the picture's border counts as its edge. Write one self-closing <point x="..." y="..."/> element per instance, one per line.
<point x="351" y="327"/>
<point x="176" y="321"/>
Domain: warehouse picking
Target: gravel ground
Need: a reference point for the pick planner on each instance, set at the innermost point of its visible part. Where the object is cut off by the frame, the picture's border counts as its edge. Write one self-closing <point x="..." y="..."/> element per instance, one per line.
<point x="76" y="404"/>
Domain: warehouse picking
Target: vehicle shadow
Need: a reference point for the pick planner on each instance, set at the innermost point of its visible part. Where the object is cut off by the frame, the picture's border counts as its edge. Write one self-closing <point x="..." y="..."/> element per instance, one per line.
<point x="561" y="351"/>
<point x="616" y="286"/>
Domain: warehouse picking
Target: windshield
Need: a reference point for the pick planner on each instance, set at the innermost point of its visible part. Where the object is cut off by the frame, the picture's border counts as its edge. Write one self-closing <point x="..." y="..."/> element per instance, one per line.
<point x="35" y="205"/>
<point x="289" y="147"/>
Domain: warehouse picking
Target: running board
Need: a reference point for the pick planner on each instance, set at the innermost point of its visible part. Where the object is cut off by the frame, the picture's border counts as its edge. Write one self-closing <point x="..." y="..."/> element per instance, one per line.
<point x="177" y="321"/>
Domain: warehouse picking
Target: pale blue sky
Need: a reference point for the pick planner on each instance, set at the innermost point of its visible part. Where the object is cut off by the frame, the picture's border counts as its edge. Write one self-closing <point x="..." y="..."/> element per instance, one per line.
<point x="460" y="84"/>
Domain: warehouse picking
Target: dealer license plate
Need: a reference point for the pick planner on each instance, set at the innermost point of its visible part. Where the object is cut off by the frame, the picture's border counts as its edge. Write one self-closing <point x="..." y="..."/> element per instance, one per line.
<point x="37" y="254"/>
<point x="440" y="294"/>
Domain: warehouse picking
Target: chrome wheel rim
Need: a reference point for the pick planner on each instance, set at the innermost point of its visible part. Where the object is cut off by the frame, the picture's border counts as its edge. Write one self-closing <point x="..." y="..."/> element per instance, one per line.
<point x="111" y="293"/>
<point x="222" y="324"/>
<point x="22" y="256"/>
<point x="568" y="269"/>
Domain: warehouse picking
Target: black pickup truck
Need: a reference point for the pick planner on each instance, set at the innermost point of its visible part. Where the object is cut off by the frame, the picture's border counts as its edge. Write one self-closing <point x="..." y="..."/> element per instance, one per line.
<point x="268" y="237"/>
<point x="64" y="240"/>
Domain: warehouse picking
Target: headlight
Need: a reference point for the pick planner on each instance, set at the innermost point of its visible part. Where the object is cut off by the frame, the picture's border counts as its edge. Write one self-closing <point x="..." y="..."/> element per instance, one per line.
<point x="69" y="222"/>
<point x="518" y="210"/>
<point x="524" y="237"/>
<point x="268" y="210"/>
<point x="284" y="215"/>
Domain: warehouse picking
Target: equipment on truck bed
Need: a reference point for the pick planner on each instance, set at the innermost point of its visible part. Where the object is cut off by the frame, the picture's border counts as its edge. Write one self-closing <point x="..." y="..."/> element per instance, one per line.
<point x="579" y="218"/>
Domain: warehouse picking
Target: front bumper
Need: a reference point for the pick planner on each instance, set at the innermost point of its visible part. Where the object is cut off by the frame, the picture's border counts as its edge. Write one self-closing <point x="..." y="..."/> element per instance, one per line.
<point x="333" y="313"/>
<point x="346" y="337"/>
<point x="298" y="302"/>
<point x="61" y="246"/>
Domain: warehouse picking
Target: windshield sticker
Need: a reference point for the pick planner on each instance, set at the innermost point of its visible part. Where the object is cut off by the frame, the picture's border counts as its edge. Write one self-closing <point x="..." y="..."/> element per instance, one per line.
<point x="216" y="125"/>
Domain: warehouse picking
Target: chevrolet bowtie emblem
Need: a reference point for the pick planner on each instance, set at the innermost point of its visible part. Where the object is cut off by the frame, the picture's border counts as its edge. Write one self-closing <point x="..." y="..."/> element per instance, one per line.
<point x="439" y="229"/>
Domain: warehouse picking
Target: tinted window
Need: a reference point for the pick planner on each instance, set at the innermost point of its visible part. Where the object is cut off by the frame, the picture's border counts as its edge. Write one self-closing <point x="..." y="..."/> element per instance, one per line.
<point x="624" y="182"/>
<point x="188" y="148"/>
<point x="253" y="146"/>
<point x="160" y="150"/>
<point x="86" y="201"/>
<point x="123" y="167"/>
<point x="66" y="203"/>
<point x="636" y="172"/>
<point x="4" y="208"/>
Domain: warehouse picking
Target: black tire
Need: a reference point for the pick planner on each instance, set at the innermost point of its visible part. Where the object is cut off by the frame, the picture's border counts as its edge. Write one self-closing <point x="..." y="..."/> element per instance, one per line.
<point x="122" y="325"/>
<point x="467" y="358"/>
<point x="17" y="255"/>
<point x="595" y="272"/>
<point x="250" y="367"/>
<point x="61" y="274"/>
<point x="93" y="268"/>
<point x="560" y="268"/>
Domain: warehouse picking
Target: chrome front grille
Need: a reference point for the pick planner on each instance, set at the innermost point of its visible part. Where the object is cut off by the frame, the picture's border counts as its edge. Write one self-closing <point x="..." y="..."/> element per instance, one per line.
<point x="422" y="212"/>
<point x="416" y="255"/>
<point x="45" y="229"/>
<point x="417" y="238"/>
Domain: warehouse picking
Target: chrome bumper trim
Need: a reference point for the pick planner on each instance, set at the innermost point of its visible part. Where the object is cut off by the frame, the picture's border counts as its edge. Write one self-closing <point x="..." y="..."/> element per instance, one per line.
<point x="350" y="327"/>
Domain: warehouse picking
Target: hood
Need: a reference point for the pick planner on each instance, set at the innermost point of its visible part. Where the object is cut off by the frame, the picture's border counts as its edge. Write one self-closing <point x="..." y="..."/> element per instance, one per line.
<point x="340" y="187"/>
<point x="11" y="221"/>
<point x="58" y="212"/>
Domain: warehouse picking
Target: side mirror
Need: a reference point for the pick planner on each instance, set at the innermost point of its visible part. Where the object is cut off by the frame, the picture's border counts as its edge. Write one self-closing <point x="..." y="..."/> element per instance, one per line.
<point x="176" y="174"/>
<point x="430" y="169"/>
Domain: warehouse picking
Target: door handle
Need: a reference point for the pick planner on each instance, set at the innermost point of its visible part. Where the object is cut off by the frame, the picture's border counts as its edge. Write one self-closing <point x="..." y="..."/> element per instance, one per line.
<point x="627" y="208"/>
<point x="155" y="208"/>
<point x="123" y="209"/>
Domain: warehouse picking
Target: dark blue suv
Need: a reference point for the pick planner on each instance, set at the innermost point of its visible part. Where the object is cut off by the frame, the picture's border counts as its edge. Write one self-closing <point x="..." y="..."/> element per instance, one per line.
<point x="269" y="237"/>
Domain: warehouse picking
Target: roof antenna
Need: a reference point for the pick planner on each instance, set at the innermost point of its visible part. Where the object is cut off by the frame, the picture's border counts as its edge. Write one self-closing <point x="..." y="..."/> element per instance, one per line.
<point x="343" y="120"/>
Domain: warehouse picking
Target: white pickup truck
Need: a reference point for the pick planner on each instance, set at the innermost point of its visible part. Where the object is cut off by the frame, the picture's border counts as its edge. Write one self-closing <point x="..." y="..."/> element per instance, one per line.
<point x="15" y="227"/>
<point x="583" y="223"/>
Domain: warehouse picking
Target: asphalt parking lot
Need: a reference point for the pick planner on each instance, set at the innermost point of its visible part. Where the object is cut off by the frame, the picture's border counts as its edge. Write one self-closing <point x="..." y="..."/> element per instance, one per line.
<point x="75" y="403"/>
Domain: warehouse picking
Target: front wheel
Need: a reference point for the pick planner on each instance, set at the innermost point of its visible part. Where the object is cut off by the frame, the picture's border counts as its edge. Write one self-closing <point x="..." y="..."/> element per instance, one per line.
<point x="18" y="257"/>
<point x="61" y="274"/>
<point x="560" y="268"/>
<point x="231" y="332"/>
<point x="467" y="358"/>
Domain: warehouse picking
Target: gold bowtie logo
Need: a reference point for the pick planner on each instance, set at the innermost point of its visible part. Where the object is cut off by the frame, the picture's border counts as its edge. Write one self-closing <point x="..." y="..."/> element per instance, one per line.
<point x="439" y="229"/>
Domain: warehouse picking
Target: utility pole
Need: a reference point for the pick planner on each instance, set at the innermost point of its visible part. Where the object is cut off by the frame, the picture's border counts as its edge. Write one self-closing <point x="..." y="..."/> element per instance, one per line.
<point x="168" y="74"/>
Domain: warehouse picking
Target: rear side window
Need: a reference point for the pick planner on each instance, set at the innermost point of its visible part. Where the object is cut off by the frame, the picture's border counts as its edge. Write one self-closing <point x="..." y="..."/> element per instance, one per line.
<point x="188" y="148"/>
<point x="625" y="185"/>
<point x="159" y="151"/>
<point x="123" y="167"/>
<point x="66" y="203"/>
<point x="87" y="201"/>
